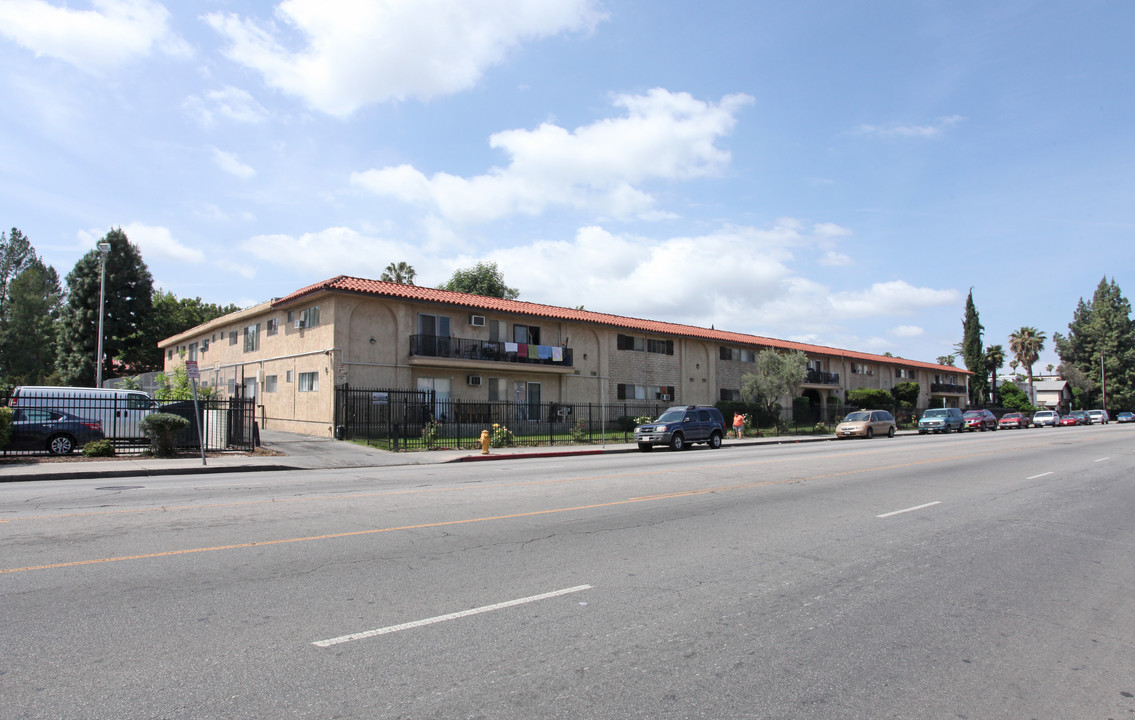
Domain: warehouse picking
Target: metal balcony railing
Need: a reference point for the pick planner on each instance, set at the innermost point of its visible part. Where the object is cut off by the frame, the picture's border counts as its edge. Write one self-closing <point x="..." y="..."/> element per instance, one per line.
<point x="819" y="377"/>
<point x="485" y="350"/>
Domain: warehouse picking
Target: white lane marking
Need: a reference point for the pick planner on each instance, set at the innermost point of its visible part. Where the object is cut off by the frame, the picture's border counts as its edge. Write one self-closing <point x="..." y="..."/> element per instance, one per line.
<point x="911" y="509"/>
<point x="1101" y="459"/>
<point x="450" y="616"/>
<point x="1034" y="477"/>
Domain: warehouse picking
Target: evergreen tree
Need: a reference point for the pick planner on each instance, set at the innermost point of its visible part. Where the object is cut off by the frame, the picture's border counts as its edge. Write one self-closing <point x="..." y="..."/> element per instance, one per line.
<point x="973" y="353"/>
<point x="1026" y="345"/>
<point x="1101" y="345"/>
<point x="129" y="302"/>
<point x="28" y="332"/>
<point x="16" y="254"/>
<point x="994" y="360"/>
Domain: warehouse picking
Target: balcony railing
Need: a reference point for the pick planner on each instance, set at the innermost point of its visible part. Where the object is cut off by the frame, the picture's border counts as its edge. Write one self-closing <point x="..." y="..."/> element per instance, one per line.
<point x="948" y="388"/>
<point x="819" y="377"/>
<point x="484" y="350"/>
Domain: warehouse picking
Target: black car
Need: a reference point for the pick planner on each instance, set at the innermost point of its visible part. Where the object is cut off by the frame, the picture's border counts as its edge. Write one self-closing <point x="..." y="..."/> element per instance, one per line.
<point x="55" y="431"/>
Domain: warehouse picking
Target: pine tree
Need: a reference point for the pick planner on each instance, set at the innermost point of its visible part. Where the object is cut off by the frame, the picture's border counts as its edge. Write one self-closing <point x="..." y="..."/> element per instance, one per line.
<point x="1101" y="345"/>
<point x="973" y="353"/>
<point x="28" y="332"/>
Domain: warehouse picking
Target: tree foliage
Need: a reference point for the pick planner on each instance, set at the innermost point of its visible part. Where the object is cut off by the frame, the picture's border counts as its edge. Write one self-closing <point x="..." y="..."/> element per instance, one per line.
<point x="994" y="360"/>
<point x="29" y="329"/>
<point x="402" y="273"/>
<point x="1014" y="398"/>
<point x="973" y="353"/>
<point x="129" y="306"/>
<point x="1026" y="345"/>
<point x="906" y="394"/>
<point x="16" y="254"/>
<point x="869" y="398"/>
<point x="483" y="279"/>
<point x="776" y="375"/>
<point x="1100" y="344"/>
<point x="171" y="316"/>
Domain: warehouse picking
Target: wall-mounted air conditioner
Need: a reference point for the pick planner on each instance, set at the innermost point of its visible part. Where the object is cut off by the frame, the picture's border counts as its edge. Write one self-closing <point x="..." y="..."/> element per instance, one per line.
<point x="300" y="324"/>
<point x="473" y="379"/>
<point x="663" y="396"/>
<point x="477" y="320"/>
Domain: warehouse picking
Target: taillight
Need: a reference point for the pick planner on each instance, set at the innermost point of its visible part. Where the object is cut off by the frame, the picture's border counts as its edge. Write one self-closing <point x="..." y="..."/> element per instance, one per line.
<point x="97" y="426"/>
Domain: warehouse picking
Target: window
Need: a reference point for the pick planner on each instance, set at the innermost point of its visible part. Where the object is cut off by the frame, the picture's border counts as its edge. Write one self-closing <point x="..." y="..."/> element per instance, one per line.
<point x="437" y="325"/>
<point x="309" y="382"/>
<point x="232" y="337"/>
<point x="205" y="345"/>
<point x="309" y="317"/>
<point x="861" y="369"/>
<point x="526" y="334"/>
<point x="273" y="326"/>
<point x="193" y="351"/>
<point x="630" y="342"/>
<point x="906" y="373"/>
<point x="269" y="383"/>
<point x="169" y="354"/>
<point x="252" y="338"/>
<point x="728" y="353"/>
<point x="288" y="376"/>
<point x="498" y="331"/>
<point x="497" y="389"/>
<point x="626" y="391"/>
<point x="662" y="347"/>
<point x="730" y="395"/>
<point x="291" y="316"/>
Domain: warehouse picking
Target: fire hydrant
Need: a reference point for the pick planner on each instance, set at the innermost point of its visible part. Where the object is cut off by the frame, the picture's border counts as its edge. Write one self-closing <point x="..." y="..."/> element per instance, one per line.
<point x="484" y="442"/>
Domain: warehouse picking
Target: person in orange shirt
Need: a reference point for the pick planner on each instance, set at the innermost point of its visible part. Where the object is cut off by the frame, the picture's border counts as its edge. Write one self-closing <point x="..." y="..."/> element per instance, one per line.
<point x="738" y="424"/>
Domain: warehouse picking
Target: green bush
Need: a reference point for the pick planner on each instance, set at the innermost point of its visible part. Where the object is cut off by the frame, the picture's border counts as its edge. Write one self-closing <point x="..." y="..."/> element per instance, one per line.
<point x="99" y="448"/>
<point x="162" y="429"/>
<point x="501" y="437"/>
<point x="5" y="426"/>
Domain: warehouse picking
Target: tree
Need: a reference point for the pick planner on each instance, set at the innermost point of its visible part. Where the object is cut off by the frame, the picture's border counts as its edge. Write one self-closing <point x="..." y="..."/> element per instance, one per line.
<point x="29" y="329"/>
<point x="1026" y="345"/>
<point x="946" y="360"/>
<point x="1014" y="398"/>
<point x="905" y="394"/>
<point x="973" y="354"/>
<point x="994" y="361"/>
<point x="16" y="254"/>
<point x="483" y="279"/>
<point x="869" y="398"/>
<point x="776" y="375"/>
<point x="402" y="273"/>
<point x="129" y="302"/>
<point x="1101" y="345"/>
<point x="169" y="317"/>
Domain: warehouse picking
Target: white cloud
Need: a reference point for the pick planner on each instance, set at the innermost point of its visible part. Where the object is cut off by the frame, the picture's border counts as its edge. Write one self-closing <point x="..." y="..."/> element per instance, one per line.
<point x="358" y="53"/>
<point x="158" y="243"/>
<point x="834" y="259"/>
<point x="907" y="331"/>
<point x="112" y="34"/>
<point x="911" y="131"/>
<point x="896" y="297"/>
<point x="330" y="252"/>
<point x="662" y="135"/>
<point x="229" y="162"/>
<point x="230" y="103"/>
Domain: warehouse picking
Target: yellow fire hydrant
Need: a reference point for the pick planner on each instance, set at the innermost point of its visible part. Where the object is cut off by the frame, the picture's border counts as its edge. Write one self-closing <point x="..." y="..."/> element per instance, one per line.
<point x="484" y="442"/>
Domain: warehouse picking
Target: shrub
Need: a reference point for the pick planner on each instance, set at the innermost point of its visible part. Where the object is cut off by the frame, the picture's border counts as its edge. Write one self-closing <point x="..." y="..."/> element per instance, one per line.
<point x="162" y="430"/>
<point x="99" y="448"/>
<point x="5" y="426"/>
<point x="501" y="437"/>
<point x="821" y="428"/>
<point x="430" y="434"/>
<point x="578" y="432"/>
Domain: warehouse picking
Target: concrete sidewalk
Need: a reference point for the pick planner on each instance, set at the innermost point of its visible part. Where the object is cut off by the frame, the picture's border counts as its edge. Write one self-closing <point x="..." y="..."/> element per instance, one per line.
<point x="303" y="452"/>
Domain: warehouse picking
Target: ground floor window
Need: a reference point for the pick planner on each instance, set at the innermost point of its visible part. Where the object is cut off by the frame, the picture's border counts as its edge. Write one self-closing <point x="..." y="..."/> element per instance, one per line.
<point x="269" y="383"/>
<point x="309" y="382"/>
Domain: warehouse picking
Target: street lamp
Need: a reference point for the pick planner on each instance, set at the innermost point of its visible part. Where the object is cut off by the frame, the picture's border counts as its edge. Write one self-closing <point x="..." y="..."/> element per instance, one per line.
<point x="104" y="249"/>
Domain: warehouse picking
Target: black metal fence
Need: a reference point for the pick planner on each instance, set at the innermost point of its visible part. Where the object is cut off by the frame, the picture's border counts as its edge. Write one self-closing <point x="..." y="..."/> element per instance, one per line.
<point x="54" y="422"/>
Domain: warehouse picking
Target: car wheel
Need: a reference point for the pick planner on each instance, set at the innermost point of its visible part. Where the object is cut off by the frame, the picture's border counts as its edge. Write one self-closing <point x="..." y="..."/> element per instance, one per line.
<point x="645" y="447"/>
<point x="870" y="433"/>
<point x="60" y="444"/>
<point x="677" y="442"/>
<point x="715" y="440"/>
<point x="891" y="431"/>
<point x="921" y="432"/>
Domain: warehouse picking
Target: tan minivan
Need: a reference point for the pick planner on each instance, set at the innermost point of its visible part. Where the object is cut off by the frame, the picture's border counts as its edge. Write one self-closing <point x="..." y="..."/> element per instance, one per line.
<point x="866" y="423"/>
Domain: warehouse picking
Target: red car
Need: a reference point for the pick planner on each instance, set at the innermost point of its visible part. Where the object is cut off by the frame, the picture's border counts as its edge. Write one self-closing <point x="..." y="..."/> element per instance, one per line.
<point x="979" y="420"/>
<point x="1068" y="420"/>
<point x="1013" y="420"/>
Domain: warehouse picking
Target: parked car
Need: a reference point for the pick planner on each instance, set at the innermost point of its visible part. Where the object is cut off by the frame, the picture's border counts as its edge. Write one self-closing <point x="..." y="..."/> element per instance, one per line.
<point x="866" y="423"/>
<point x="55" y="431"/>
<point x="979" y="420"/>
<point x="1125" y="417"/>
<point x="1081" y="417"/>
<point x="680" y="427"/>
<point x="1099" y="416"/>
<point x="1013" y="420"/>
<point x="1068" y="420"/>
<point x="1045" y="418"/>
<point x="940" y="420"/>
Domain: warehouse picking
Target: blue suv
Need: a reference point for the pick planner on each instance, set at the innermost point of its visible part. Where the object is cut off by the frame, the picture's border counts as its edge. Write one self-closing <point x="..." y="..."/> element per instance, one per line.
<point x="680" y="427"/>
<point x="941" y="420"/>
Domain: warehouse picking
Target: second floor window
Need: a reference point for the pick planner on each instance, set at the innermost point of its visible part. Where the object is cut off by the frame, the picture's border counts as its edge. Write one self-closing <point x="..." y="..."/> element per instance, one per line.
<point x="252" y="338"/>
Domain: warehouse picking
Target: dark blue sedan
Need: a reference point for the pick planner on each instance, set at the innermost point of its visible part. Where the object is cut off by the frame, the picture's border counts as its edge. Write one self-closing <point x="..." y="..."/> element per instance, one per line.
<point x="55" y="431"/>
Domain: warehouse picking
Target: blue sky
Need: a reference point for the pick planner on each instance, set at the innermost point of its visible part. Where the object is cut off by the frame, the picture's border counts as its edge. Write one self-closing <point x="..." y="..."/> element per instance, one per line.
<point x="830" y="172"/>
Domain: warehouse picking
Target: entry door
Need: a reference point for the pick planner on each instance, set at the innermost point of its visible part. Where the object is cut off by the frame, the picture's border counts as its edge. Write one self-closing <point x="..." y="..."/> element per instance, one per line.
<point x="528" y="399"/>
<point x="441" y="390"/>
<point x="250" y="388"/>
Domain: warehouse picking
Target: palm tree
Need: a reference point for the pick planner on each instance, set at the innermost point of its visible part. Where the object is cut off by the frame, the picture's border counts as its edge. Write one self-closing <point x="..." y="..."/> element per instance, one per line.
<point x="1026" y="345"/>
<point x="402" y="273"/>
<point x="994" y="359"/>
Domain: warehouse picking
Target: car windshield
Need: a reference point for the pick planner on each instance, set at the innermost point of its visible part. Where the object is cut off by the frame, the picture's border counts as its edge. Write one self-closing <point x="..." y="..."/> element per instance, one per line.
<point x="857" y="417"/>
<point x="1012" y="416"/>
<point x="671" y="416"/>
<point x="936" y="413"/>
<point x="974" y="414"/>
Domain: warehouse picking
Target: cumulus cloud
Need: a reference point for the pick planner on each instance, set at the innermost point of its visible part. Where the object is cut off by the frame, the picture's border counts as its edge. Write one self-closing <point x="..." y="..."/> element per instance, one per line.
<point x="158" y="243"/>
<point x="359" y="53"/>
<point x="896" y="297"/>
<point x="229" y="162"/>
<point x="907" y="331"/>
<point x="598" y="167"/>
<point x="329" y="252"/>
<point x="112" y="34"/>
<point x="911" y="131"/>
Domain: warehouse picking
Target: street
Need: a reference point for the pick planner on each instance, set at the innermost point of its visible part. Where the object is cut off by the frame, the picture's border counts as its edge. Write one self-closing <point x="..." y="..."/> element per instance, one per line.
<point x="982" y="575"/>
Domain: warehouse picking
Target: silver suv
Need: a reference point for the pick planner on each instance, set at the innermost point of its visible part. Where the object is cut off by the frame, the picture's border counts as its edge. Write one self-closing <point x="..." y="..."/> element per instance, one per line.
<point x="680" y="427"/>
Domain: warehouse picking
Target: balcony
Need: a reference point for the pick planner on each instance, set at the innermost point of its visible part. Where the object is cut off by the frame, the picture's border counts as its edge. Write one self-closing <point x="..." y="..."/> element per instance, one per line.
<point x="948" y="388"/>
<point x="819" y="377"/>
<point x="484" y="351"/>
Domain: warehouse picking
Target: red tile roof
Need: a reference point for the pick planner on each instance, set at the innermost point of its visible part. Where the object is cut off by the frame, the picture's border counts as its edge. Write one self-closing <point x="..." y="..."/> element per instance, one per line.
<point x="378" y="288"/>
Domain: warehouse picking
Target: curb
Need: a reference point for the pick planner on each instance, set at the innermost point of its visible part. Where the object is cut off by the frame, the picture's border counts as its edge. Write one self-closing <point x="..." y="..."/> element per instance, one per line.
<point x="143" y="472"/>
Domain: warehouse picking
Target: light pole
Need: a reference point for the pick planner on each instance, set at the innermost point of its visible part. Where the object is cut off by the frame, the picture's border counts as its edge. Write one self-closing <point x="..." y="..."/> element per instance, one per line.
<point x="104" y="249"/>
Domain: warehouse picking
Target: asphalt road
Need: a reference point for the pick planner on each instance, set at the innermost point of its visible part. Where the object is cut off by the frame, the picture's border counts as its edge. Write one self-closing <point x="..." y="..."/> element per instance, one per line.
<point x="964" y="576"/>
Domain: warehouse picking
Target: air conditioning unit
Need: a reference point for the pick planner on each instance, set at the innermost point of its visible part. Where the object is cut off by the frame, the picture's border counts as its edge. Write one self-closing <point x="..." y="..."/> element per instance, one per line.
<point x="477" y="320"/>
<point x="300" y="324"/>
<point x="473" y="379"/>
<point x="663" y="396"/>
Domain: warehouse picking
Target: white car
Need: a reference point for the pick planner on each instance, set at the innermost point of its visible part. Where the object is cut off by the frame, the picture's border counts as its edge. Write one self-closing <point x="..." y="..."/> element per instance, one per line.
<point x="1046" y="418"/>
<point x="1099" y="417"/>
